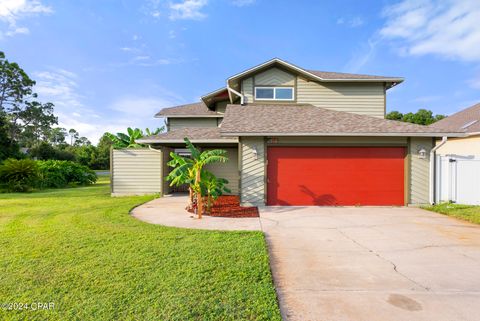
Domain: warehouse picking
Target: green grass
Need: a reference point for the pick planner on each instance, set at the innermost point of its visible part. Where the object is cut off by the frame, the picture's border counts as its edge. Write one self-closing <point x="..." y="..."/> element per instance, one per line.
<point x="79" y="248"/>
<point x="465" y="212"/>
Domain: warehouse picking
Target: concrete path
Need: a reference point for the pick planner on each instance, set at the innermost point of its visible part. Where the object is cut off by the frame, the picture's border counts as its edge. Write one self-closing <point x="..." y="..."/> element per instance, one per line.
<point x="170" y="211"/>
<point x="368" y="264"/>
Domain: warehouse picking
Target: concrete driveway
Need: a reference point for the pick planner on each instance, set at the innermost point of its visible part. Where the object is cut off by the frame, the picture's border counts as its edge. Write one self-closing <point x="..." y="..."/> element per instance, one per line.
<point x="373" y="264"/>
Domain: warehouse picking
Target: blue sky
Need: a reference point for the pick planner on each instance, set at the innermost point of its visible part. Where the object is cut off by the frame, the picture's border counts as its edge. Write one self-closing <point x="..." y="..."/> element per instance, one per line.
<point x="110" y="64"/>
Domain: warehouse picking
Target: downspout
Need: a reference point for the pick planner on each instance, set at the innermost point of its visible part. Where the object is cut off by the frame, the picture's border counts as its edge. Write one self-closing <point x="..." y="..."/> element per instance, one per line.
<point x="432" y="169"/>
<point x="151" y="148"/>
<point x="242" y="98"/>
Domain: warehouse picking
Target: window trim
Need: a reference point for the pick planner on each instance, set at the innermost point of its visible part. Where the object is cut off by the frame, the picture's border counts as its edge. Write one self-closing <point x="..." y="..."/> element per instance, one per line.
<point x="274" y="93"/>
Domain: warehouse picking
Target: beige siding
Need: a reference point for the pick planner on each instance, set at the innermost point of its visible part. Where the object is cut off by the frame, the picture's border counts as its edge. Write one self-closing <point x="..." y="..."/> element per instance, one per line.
<point x="338" y="141"/>
<point x="174" y="123"/>
<point x="360" y="98"/>
<point x="247" y="89"/>
<point x="252" y="176"/>
<point x="228" y="170"/>
<point x="274" y="77"/>
<point x="136" y="171"/>
<point x="419" y="170"/>
<point x="468" y="146"/>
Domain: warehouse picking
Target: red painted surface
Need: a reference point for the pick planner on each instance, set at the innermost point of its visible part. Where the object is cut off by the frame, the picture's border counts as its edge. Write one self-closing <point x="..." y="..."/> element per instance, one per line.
<point x="335" y="176"/>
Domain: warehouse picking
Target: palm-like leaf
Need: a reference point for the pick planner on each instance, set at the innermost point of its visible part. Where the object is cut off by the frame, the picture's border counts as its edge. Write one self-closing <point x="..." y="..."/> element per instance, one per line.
<point x="193" y="150"/>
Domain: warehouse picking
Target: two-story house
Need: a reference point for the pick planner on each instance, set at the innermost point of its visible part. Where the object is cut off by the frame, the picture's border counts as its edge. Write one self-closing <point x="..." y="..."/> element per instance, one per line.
<point x="304" y="137"/>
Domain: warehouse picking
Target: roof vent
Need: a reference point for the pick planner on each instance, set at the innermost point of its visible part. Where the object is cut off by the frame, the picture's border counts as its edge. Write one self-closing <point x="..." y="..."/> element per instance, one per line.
<point x="469" y="124"/>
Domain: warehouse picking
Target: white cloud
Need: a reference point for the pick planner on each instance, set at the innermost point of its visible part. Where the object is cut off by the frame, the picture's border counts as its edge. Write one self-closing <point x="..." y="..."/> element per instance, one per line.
<point x="129" y="49"/>
<point x="448" y="28"/>
<point x="11" y="11"/>
<point x="58" y="85"/>
<point x="351" y="22"/>
<point x="243" y="3"/>
<point x="187" y="10"/>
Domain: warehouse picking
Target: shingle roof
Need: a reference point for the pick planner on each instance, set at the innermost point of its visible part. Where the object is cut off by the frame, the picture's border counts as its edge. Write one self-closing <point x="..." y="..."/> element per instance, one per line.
<point x="209" y="134"/>
<point x="467" y="120"/>
<point x="296" y="119"/>
<point x="341" y="75"/>
<point x="194" y="109"/>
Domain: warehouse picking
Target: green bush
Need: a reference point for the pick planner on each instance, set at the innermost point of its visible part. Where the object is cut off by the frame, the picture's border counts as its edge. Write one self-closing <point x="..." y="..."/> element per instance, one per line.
<point x="55" y="174"/>
<point x="45" y="151"/>
<point x="19" y="175"/>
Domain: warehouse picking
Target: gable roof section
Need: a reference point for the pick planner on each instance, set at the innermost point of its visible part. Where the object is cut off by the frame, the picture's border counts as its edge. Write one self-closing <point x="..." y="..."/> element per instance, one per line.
<point x="189" y="110"/>
<point x="313" y="74"/>
<point x="196" y="135"/>
<point x="309" y="120"/>
<point x="467" y="120"/>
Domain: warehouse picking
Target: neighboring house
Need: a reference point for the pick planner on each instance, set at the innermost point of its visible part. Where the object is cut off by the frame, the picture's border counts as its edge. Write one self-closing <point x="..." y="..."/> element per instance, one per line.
<point x="304" y="137"/>
<point x="467" y="121"/>
<point x="457" y="174"/>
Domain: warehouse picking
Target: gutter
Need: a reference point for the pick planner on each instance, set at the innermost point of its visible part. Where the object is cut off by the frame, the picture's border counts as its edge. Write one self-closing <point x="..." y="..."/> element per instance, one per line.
<point x="156" y="150"/>
<point x="181" y="141"/>
<point x="317" y="134"/>
<point x="432" y="170"/>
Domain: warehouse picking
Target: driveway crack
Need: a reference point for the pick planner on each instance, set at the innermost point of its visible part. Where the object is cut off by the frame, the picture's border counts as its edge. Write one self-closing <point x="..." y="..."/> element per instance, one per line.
<point x="426" y="288"/>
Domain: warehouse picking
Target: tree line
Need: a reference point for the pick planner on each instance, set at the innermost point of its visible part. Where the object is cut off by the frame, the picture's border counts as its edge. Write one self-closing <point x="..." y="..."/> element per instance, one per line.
<point x="29" y="128"/>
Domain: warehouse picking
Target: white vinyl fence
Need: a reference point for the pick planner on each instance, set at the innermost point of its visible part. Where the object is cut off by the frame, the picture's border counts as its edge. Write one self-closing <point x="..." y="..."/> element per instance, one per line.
<point x="457" y="179"/>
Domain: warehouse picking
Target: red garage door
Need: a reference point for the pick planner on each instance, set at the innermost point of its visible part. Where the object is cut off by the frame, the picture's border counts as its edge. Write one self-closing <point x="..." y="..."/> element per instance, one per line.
<point x="335" y="176"/>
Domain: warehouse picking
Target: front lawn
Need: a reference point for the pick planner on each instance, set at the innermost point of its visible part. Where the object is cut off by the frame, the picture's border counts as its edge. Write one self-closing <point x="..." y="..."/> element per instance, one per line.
<point x="79" y="249"/>
<point x="465" y="212"/>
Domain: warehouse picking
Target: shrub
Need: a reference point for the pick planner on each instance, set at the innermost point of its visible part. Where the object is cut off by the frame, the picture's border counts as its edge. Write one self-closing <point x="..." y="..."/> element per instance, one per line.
<point x="19" y="175"/>
<point x="45" y="151"/>
<point x="55" y="174"/>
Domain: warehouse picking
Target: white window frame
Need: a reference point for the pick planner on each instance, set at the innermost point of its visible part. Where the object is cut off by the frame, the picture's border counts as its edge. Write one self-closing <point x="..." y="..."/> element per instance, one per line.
<point x="275" y="93"/>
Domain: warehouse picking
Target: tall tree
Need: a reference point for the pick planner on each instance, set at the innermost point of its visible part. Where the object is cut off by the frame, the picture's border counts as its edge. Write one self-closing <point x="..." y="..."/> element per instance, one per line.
<point x="29" y="121"/>
<point x="82" y="141"/>
<point x="8" y="148"/>
<point x="57" y="136"/>
<point x="73" y="136"/>
<point x="103" y="148"/>
<point x="32" y="120"/>
<point x="15" y="85"/>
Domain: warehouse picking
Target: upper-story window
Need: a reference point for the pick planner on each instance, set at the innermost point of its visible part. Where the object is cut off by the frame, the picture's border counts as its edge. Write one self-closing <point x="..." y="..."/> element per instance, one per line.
<point x="273" y="93"/>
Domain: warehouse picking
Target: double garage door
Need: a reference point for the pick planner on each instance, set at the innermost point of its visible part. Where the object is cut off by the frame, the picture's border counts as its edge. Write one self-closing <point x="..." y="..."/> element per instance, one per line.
<point x="335" y="176"/>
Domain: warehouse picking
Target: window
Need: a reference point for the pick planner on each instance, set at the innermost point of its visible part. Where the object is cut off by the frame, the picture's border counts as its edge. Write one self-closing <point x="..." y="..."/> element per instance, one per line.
<point x="273" y="93"/>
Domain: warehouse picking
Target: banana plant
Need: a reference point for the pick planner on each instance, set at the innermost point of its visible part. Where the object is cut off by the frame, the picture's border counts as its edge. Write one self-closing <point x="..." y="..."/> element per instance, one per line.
<point x="182" y="173"/>
<point x="121" y="140"/>
<point x="157" y="131"/>
<point x="213" y="187"/>
<point x="189" y="170"/>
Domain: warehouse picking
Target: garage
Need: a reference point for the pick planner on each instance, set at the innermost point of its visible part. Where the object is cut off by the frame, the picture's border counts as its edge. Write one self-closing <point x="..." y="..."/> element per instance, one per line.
<point x="336" y="176"/>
